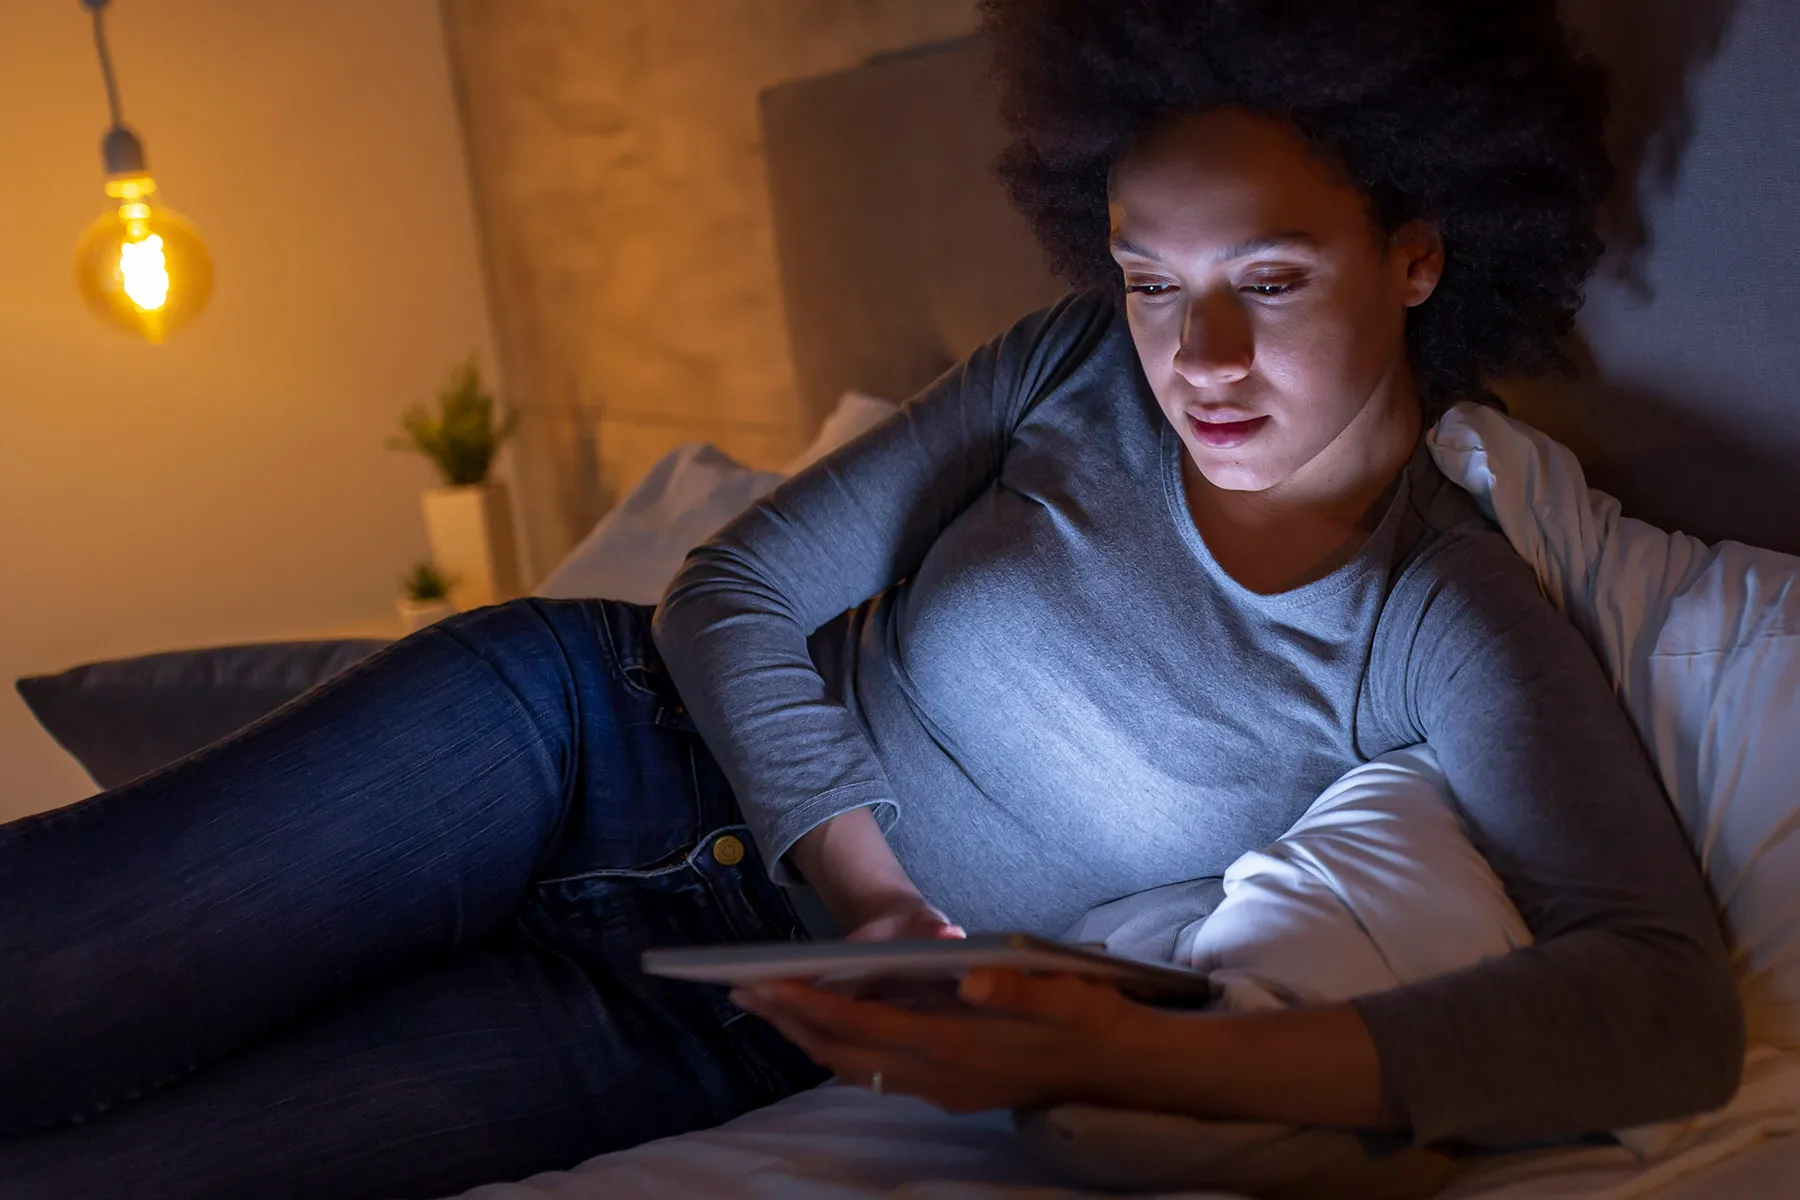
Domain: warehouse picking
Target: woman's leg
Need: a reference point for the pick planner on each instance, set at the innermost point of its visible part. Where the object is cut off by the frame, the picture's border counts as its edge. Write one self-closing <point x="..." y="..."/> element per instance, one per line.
<point x="497" y="1063"/>
<point x="378" y="824"/>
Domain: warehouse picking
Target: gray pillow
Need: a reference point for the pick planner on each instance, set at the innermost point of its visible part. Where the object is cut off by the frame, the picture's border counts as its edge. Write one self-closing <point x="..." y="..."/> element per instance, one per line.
<point x="125" y="717"/>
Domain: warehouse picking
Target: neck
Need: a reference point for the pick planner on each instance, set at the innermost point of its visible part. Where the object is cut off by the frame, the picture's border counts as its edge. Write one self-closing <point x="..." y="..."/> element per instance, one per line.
<point x="1316" y="520"/>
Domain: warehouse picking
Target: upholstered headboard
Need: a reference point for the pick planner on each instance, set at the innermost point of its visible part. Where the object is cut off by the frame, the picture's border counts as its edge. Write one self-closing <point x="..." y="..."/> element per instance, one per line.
<point x="898" y="253"/>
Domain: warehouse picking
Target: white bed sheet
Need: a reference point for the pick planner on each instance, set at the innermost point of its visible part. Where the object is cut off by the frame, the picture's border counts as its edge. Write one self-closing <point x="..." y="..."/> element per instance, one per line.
<point x="840" y="1143"/>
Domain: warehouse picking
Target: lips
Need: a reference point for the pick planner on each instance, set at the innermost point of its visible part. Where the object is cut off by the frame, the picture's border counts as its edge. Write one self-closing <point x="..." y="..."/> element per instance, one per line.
<point x="1223" y="435"/>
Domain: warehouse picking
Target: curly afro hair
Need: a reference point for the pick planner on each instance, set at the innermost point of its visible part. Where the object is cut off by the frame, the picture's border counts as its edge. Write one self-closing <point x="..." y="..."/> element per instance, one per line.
<point x="1477" y="115"/>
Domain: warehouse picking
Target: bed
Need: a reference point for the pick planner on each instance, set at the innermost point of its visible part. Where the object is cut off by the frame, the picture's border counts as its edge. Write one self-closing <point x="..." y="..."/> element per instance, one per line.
<point x="1688" y="410"/>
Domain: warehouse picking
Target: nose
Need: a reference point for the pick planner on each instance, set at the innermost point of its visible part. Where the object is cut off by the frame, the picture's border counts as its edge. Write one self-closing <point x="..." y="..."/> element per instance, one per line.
<point x="1216" y="343"/>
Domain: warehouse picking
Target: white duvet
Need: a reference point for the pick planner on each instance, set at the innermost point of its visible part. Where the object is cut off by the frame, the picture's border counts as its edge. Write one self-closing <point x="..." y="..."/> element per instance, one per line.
<point x="1703" y="644"/>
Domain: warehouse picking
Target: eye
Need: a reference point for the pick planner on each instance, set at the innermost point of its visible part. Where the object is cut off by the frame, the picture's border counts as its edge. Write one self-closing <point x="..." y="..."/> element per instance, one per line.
<point x="1272" y="290"/>
<point x="1149" y="289"/>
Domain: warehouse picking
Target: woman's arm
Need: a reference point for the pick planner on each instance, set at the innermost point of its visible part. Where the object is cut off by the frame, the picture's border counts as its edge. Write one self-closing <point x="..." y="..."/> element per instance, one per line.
<point x="867" y="891"/>
<point x="1047" y="1041"/>
<point x="733" y="626"/>
<point x="1624" y="1011"/>
<point x="1311" y="1066"/>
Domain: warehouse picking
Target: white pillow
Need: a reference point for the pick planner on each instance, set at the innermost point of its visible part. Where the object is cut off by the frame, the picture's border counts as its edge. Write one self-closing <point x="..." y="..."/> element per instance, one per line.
<point x="1375" y="886"/>
<point x="1703" y="644"/>
<point x="635" y="549"/>
<point x="855" y="414"/>
<point x="693" y="490"/>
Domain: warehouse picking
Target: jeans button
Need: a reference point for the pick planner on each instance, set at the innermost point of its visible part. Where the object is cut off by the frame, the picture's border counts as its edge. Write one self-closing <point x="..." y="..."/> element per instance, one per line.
<point x="728" y="851"/>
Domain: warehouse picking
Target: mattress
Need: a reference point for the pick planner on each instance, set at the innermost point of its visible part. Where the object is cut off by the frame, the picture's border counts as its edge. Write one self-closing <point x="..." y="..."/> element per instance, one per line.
<point x="840" y="1143"/>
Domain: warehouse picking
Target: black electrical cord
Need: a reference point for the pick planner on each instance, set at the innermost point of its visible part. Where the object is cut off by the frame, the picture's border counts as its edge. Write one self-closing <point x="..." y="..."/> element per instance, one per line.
<point x="120" y="150"/>
<point x="98" y="8"/>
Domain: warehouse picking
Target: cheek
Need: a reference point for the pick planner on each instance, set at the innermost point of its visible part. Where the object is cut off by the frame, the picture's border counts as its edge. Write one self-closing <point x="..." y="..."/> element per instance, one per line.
<point x="1325" y="357"/>
<point x="1299" y="356"/>
<point x="1156" y="335"/>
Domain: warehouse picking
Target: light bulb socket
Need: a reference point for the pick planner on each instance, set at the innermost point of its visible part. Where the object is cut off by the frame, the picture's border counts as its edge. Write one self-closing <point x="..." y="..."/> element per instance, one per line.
<point x="122" y="152"/>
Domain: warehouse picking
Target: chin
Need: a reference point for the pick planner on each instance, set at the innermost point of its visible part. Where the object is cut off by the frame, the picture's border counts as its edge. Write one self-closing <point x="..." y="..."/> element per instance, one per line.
<point x="1233" y="472"/>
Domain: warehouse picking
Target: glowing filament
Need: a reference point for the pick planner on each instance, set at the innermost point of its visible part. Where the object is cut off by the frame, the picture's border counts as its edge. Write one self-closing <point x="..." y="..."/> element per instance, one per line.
<point x="146" y="274"/>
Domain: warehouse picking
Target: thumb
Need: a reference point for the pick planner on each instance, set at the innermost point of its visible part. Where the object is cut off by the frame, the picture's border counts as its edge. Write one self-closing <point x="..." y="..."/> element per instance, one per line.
<point x="999" y="989"/>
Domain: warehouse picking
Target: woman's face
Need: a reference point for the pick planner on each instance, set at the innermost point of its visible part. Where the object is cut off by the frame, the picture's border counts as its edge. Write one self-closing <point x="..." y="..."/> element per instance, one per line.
<point x="1268" y="310"/>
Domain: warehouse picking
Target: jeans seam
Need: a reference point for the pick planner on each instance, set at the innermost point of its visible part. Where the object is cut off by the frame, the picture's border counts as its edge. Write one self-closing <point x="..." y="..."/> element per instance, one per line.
<point x="616" y="661"/>
<point x="667" y="867"/>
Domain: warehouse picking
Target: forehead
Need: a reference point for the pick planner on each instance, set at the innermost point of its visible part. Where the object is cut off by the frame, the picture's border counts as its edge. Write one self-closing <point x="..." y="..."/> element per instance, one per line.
<point x="1227" y="176"/>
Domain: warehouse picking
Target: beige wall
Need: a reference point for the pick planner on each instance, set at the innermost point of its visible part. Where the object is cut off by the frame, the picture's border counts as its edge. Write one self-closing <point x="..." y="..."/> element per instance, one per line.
<point x="231" y="484"/>
<point x="625" y="215"/>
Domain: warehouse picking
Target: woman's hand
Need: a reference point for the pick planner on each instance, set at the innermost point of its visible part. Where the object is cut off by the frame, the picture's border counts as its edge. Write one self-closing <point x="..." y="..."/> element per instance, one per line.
<point x="1036" y="1040"/>
<point x="903" y="917"/>
<point x="864" y="887"/>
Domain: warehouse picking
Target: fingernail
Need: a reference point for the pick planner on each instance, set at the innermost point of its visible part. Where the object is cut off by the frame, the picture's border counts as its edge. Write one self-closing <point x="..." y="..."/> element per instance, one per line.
<point x="977" y="986"/>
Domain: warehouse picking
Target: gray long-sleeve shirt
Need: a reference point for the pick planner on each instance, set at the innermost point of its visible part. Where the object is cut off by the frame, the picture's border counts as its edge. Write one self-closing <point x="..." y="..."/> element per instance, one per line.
<point x="1053" y="696"/>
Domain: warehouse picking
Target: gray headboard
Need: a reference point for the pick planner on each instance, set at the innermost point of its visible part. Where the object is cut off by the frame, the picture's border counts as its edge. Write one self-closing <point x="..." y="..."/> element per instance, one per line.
<point x="899" y="254"/>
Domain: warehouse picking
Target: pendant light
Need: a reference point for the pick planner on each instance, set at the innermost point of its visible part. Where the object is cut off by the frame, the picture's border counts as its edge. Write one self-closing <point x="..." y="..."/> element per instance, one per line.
<point x="140" y="265"/>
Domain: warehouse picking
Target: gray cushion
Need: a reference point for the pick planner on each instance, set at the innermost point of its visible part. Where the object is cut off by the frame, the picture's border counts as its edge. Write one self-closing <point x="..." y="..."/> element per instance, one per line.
<point x="899" y="253"/>
<point x="125" y="717"/>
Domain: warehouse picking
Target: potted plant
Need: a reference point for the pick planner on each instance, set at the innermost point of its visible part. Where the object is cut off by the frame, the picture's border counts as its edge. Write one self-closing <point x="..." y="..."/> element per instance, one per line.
<point x="425" y="596"/>
<point x="468" y="520"/>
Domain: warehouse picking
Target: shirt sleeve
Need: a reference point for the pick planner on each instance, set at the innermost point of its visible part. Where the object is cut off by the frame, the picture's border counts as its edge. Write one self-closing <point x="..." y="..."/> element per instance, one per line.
<point x="733" y="624"/>
<point x="1624" y="1011"/>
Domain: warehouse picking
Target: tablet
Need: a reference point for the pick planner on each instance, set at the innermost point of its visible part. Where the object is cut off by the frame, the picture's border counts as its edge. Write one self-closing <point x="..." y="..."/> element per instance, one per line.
<point x="924" y="972"/>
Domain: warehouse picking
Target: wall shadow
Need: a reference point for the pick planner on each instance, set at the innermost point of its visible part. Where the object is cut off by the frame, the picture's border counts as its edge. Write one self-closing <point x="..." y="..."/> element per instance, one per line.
<point x="1662" y="453"/>
<point x="1665" y="462"/>
<point x="1652" y="49"/>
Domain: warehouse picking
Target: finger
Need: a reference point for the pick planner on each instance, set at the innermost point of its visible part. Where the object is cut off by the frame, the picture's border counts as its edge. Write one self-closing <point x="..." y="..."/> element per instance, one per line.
<point x="811" y="1040"/>
<point x="765" y="989"/>
<point x="959" y="1077"/>
<point x="1055" y="998"/>
<point x="855" y="1065"/>
<point x="802" y="1009"/>
<point x="862" y="1022"/>
<point x="930" y="925"/>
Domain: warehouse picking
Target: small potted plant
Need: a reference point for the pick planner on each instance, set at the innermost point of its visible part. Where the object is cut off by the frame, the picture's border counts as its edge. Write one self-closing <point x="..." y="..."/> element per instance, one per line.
<point x="468" y="520"/>
<point x="425" y="596"/>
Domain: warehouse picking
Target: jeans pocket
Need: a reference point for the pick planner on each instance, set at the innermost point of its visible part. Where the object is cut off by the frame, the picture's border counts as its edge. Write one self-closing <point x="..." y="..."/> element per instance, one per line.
<point x="712" y="893"/>
<point x="716" y="892"/>
<point x="625" y="630"/>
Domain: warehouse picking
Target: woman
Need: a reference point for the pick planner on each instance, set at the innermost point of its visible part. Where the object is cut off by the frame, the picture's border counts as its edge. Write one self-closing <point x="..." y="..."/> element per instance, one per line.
<point x="1125" y="591"/>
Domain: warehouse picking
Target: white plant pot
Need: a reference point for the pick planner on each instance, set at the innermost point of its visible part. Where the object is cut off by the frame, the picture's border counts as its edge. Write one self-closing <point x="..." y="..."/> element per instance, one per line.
<point x="417" y="614"/>
<point x="471" y="534"/>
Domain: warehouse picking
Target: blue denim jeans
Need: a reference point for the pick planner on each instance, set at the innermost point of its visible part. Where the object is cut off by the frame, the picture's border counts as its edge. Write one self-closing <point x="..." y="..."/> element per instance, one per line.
<point x="384" y="942"/>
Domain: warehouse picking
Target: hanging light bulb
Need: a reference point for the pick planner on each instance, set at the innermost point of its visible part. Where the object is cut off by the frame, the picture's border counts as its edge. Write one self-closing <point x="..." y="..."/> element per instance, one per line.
<point x="139" y="265"/>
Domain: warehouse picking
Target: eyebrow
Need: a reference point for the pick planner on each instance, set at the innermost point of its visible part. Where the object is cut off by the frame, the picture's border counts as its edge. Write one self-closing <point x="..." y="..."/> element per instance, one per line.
<point x="1274" y="241"/>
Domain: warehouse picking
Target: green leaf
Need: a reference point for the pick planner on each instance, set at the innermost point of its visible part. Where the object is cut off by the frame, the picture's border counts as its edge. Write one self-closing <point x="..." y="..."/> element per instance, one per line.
<point x="462" y="437"/>
<point x="425" y="582"/>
